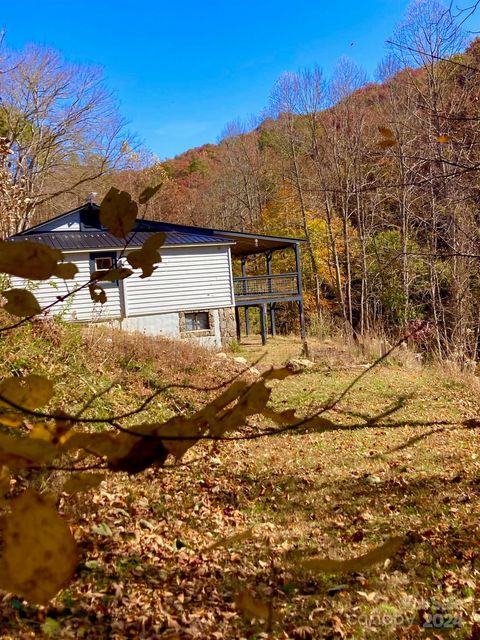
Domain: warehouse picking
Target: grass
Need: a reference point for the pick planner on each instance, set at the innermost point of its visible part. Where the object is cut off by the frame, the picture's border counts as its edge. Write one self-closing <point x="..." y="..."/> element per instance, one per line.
<point x="384" y="472"/>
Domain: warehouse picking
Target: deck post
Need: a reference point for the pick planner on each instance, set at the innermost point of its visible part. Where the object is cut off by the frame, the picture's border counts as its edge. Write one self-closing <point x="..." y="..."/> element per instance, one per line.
<point x="301" y="312"/>
<point x="271" y="307"/>
<point x="237" y="323"/>
<point x="247" y="312"/>
<point x="263" y="322"/>
<point x="273" y="327"/>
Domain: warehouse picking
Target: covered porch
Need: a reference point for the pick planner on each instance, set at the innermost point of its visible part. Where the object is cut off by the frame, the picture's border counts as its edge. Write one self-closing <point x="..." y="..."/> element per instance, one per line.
<point x="265" y="289"/>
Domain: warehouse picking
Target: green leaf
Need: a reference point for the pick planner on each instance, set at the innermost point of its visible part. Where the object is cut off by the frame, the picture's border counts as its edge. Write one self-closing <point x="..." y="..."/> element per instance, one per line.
<point x="51" y="627"/>
<point x="102" y="529"/>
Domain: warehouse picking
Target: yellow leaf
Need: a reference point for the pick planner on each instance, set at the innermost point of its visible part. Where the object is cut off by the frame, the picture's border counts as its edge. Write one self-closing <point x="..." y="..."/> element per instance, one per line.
<point x="148" y="193"/>
<point x="282" y="418"/>
<point x="443" y="139"/>
<point x="82" y="482"/>
<point x="18" y="453"/>
<point x="146" y="257"/>
<point x="98" y="444"/>
<point x="380" y="554"/>
<point x="111" y="275"/>
<point x="229" y="541"/>
<point x="11" y="419"/>
<point x="97" y="294"/>
<point x="28" y="392"/>
<point x="251" y="607"/>
<point x="279" y="373"/>
<point x="66" y="270"/>
<point x="26" y="259"/>
<point x="118" y="212"/>
<point x="386" y="132"/>
<point x="4" y="481"/>
<point x="386" y="143"/>
<point x="21" y="302"/>
<point x="39" y="552"/>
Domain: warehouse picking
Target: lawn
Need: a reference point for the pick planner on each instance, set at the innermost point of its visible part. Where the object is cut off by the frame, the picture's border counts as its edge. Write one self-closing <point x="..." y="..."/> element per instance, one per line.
<point x="210" y="548"/>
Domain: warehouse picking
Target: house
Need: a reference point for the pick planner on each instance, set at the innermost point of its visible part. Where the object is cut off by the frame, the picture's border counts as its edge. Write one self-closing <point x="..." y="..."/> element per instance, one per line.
<point x="191" y="294"/>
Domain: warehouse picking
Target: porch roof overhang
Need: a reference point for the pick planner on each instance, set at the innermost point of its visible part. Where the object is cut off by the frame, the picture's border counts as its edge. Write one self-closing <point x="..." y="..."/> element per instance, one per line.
<point x="252" y="243"/>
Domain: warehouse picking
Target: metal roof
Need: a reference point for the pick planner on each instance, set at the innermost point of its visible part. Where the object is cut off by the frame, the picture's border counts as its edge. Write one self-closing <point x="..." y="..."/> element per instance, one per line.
<point x="177" y="234"/>
<point x="78" y="240"/>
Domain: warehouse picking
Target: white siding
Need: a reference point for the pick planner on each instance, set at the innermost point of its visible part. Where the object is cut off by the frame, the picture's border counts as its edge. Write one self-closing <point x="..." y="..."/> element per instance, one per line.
<point x="65" y="223"/>
<point x="188" y="278"/>
<point x="79" y="306"/>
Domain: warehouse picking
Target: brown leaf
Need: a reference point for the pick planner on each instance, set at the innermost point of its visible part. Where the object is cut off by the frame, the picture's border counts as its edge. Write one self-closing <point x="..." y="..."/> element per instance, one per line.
<point x="118" y="212"/>
<point x="386" y="132"/>
<point x="21" y="302"/>
<point x="66" y="270"/>
<point x="97" y="293"/>
<point x="148" y="256"/>
<point x="443" y="139"/>
<point x="111" y="275"/>
<point x="148" y="193"/>
<point x="386" y="143"/>
<point x="30" y="260"/>
<point x="251" y="607"/>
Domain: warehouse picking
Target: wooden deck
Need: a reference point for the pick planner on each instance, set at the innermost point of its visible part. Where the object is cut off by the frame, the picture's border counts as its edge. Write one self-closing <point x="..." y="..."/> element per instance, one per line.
<point x="252" y="290"/>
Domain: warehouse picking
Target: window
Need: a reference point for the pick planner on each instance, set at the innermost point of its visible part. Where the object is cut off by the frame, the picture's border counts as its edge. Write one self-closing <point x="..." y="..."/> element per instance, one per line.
<point x="196" y="324"/>
<point x="103" y="263"/>
<point x="197" y="321"/>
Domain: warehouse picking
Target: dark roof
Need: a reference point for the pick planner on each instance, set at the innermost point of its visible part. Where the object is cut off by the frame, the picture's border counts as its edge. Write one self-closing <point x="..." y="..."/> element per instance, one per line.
<point x="94" y="237"/>
<point x="245" y="243"/>
<point x="75" y="240"/>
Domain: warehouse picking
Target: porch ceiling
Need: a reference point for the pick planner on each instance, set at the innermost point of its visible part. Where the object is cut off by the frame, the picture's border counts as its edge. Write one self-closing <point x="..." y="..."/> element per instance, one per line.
<point x="249" y="244"/>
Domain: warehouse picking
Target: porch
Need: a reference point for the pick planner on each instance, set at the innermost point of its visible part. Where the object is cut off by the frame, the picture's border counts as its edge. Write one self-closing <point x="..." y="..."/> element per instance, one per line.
<point x="264" y="289"/>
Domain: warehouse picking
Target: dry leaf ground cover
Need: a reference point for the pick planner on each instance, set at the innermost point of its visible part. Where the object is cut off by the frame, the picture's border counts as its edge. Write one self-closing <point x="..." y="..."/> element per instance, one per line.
<point x="207" y="549"/>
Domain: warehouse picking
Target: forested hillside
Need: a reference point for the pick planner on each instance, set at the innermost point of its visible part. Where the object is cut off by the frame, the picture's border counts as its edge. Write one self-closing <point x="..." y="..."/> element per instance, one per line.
<point x="381" y="178"/>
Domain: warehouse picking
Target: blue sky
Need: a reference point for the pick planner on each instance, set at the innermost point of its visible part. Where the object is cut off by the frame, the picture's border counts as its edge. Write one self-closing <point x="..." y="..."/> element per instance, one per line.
<point x="182" y="71"/>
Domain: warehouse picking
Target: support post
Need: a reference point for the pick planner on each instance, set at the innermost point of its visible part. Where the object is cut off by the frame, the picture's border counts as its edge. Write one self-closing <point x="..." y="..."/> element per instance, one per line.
<point x="268" y="256"/>
<point x="271" y="307"/>
<point x="237" y="323"/>
<point x="273" y="328"/>
<point x="263" y="323"/>
<point x="298" y="267"/>
<point x="244" y="288"/>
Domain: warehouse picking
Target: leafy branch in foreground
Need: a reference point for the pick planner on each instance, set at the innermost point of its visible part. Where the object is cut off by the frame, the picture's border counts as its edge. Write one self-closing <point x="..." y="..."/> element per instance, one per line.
<point x="39" y="552"/>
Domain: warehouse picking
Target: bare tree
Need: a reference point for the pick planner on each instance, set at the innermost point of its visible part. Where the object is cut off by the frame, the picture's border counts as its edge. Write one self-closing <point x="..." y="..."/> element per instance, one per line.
<point x="62" y="125"/>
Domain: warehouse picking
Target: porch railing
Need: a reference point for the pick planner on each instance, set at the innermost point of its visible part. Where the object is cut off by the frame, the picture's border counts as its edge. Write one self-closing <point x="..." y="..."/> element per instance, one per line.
<point x="278" y="285"/>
